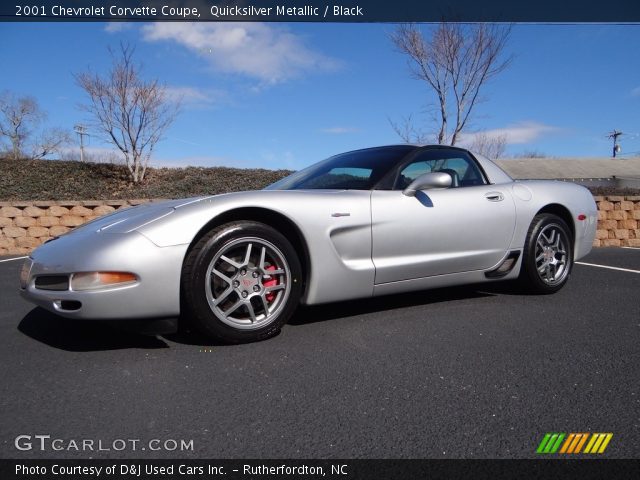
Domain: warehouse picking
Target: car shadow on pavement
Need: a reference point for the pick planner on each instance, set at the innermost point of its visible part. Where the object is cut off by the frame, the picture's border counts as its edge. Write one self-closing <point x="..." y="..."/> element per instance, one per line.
<point x="85" y="336"/>
<point x="350" y="308"/>
<point x="189" y="336"/>
<point x="82" y="336"/>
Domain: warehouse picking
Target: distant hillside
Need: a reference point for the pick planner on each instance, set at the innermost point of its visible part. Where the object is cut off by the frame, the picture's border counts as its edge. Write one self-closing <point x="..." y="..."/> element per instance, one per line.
<point x="571" y="167"/>
<point x="67" y="180"/>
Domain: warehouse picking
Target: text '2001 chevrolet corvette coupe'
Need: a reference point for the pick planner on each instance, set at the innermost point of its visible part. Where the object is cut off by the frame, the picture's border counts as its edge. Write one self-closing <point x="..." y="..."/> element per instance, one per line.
<point x="364" y="223"/>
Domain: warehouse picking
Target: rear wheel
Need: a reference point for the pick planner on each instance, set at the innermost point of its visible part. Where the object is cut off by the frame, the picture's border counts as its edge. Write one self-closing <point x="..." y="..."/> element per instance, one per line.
<point x="548" y="254"/>
<point x="241" y="282"/>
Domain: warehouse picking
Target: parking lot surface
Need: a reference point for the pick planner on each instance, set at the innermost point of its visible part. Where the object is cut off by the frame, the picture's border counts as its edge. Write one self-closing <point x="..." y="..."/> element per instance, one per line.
<point x="468" y="372"/>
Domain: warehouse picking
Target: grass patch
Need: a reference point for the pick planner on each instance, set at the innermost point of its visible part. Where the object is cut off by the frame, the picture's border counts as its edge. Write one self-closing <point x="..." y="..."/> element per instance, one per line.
<point x="24" y="180"/>
<point x="607" y="191"/>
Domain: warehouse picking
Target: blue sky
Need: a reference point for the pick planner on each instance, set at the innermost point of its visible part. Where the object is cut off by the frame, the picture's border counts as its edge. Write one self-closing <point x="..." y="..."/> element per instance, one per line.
<point x="286" y="95"/>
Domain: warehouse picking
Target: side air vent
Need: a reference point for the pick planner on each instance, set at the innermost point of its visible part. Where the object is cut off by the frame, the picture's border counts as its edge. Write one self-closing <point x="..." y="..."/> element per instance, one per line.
<point x="505" y="266"/>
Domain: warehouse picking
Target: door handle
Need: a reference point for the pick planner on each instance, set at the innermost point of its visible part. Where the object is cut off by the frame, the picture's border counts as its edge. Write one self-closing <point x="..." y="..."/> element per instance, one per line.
<point x="494" y="196"/>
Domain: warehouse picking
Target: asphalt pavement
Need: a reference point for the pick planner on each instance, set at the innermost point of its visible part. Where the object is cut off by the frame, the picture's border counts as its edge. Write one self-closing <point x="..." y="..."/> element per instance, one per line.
<point x="465" y="372"/>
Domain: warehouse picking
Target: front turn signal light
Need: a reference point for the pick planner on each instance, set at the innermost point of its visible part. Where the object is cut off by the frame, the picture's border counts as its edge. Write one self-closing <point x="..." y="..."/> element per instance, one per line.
<point x="25" y="272"/>
<point x="97" y="280"/>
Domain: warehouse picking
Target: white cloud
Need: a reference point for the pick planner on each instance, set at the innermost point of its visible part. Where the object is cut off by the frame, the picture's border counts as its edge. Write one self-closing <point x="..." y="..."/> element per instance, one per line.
<point x="271" y="54"/>
<point x="193" y="97"/>
<point x="115" y="27"/>
<point x="339" y="130"/>
<point x="519" y="133"/>
<point x="635" y="92"/>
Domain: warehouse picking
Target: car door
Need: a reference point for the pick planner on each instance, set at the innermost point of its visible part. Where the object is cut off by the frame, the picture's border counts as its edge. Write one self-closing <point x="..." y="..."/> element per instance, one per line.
<point x="439" y="231"/>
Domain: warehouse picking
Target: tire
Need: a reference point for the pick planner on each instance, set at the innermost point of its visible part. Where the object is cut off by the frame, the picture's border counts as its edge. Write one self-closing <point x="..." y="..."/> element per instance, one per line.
<point x="548" y="255"/>
<point x="241" y="282"/>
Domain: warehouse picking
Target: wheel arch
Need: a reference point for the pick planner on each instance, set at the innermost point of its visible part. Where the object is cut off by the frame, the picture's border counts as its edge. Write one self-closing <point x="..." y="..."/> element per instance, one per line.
<point x="562" y="212"/>
<point x="269" y="217"/>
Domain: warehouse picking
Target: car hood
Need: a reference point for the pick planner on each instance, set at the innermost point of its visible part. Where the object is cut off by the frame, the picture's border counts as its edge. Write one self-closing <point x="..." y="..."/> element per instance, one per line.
<point x="130" y="219"/>
<point x="175" y="222"/>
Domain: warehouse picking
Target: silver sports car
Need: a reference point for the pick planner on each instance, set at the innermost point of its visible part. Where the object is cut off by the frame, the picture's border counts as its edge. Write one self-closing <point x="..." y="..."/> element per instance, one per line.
<point x="364" y="223"/>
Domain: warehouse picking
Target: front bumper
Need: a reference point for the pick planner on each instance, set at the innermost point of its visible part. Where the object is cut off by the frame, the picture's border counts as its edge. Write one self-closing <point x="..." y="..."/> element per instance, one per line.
<point x="156" y="294"/>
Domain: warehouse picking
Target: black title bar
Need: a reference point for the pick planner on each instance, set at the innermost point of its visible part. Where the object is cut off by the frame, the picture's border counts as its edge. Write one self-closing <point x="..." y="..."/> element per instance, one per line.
<point x="316" y="469"/>
<point x="560" y="11"/>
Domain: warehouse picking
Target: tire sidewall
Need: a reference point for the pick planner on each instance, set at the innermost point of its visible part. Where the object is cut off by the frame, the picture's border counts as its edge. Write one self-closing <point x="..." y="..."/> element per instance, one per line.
<point x="194" y="282"/>
<point x="530" y="272"/>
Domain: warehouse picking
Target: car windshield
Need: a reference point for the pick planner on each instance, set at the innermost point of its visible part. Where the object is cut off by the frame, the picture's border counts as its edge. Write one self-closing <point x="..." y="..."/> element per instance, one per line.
<point x="358" y="170"/>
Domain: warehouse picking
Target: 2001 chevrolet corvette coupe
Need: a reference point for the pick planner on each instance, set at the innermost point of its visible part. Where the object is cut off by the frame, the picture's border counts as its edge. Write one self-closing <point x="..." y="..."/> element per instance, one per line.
<point x="364" y="223"/>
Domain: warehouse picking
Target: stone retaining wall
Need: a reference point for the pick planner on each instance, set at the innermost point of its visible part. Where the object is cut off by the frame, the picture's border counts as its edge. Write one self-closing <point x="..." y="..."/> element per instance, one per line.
<point x="25" y="225"/>
<point x="618" y="222"/>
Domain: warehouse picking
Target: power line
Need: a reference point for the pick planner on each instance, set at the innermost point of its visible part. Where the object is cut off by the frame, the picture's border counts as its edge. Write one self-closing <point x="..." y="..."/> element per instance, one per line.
<point x="614" y="136"/>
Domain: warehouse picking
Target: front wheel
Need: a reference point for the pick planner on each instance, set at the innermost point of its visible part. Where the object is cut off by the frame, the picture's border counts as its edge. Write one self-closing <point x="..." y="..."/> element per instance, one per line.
<point x="241" y="282"/>
<point x="548" y="254"/>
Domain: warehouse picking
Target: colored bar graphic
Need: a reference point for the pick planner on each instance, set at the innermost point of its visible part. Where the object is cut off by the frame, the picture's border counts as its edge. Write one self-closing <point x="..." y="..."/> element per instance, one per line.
<point x="555" y="442"/>
<point x="556" y="446"/>
<point x="550" y="443"/>
<point x="592" y="440"/>
<point x="605" y="443"/>
<point x="596" y="446"/>
<point x="568" y="443"/>
<point x="598" y="442"/>
<point x="581" y="443"/>
<point x="543" y="443"/>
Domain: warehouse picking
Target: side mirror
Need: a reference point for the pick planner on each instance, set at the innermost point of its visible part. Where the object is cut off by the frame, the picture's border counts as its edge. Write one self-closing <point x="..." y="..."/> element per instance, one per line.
<point x="426" y="181"/>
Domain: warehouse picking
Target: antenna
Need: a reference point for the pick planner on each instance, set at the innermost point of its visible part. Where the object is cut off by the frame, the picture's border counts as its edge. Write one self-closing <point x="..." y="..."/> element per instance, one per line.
<point x="614" y="136"/>
<point x="81" y="130"/>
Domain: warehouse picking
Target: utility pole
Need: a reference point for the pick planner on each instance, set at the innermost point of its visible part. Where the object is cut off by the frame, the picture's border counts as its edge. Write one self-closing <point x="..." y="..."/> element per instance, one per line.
<point x="614" y="136"/>
<point x="81" y="130"/>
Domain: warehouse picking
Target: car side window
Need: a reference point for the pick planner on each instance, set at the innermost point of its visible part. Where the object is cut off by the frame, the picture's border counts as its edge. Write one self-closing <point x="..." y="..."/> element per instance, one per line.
<point x="342" y="178"/>
<point x="463" y="170"/>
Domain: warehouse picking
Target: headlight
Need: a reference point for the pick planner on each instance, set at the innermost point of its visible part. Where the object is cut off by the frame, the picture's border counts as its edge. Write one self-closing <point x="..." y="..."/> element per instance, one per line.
<point x="97" y="280"/>
<point x="25" y="271"/>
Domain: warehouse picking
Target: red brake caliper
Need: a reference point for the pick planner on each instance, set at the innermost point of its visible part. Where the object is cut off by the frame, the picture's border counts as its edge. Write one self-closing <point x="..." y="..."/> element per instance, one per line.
<point x="271" y="296"/>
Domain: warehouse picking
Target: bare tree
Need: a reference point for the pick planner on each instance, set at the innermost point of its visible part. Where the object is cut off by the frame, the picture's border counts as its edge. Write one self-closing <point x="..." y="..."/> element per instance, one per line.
<point x="49" y="142"/>
<point x="133" y="113"/>
<point x="491" y="146"/>
<point x="407" y="131"/>
<point x="19" y="117"/>
<point x="19" y="122"/>
<point x="455" y="62"/>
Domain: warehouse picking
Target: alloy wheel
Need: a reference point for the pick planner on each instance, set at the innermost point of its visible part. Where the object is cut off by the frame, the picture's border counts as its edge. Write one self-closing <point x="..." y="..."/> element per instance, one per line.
<point x="248" y="282"/>
<point x="552" y="261"/>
